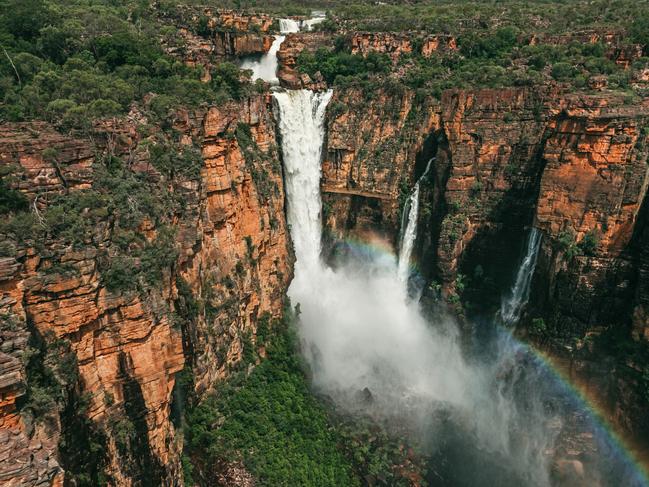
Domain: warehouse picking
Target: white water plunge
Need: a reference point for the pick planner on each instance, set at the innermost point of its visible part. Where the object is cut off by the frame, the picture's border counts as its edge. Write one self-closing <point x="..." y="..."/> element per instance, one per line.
<point x="409" y="233"/>
<point x="265" y="67"/>
<point x="287" y="26"/>
<point x="512" y="307"/>
<point x="368" y="346"/>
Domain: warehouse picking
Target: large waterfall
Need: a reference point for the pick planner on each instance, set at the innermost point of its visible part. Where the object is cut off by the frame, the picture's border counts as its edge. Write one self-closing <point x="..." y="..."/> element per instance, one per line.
<point x="512" y="306"/>
<point x="370" y="349"/>
<point x="301" y="123"/>
<point x="409" y="232"/>
<point x="489" y="413"/>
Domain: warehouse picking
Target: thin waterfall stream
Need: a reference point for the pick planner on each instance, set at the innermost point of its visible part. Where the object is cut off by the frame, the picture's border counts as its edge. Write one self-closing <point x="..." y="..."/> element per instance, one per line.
<point x="512" y="306"/>
<point x="409" y="232"/>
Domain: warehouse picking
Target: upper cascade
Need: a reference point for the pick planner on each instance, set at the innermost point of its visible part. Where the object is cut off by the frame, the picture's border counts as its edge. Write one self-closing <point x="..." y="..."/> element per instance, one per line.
<point x="265" y="68"/>
<point x="288" y="26"/>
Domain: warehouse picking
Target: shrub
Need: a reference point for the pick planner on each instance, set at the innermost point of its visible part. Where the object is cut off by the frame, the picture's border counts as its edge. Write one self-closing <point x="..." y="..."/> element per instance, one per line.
<point x="120" y="275"/>
<point x="271" y="422"/>
<point x="538" y="326"/>
<point x="563" y="71"/>
<point x="11" y="200"/>
<point x="589" y="243"/>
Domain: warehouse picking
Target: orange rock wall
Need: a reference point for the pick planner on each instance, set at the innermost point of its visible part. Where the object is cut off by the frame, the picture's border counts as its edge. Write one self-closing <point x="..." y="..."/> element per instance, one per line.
<point x="235" y="254"/>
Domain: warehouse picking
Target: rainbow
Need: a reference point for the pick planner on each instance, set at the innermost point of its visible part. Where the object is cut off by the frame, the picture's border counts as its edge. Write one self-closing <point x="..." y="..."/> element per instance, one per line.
<point x="626" y="452"/>
<point x="631" y="457"/>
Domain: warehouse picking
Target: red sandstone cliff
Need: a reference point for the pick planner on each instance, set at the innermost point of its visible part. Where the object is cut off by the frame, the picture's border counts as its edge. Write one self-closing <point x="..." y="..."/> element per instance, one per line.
<point x="233" y="254"/>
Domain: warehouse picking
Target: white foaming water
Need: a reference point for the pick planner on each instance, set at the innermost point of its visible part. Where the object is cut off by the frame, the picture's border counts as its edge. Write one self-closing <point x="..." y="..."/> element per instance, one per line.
<point x="318" y="17"/>
<point x="265" y="67"/>
<point x="409" y="234"/>
<point x="512" y="306"/>
<point x="287" y="26"/>
<point x="369" y="347"/>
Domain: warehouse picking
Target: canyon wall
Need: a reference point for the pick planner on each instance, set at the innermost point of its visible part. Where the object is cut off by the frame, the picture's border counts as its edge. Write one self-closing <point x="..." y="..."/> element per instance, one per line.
<point x="374" y="141"/>
<point x="115" y="355"/>
<point x="574" y="166"/>
<point x="205" y="37"/>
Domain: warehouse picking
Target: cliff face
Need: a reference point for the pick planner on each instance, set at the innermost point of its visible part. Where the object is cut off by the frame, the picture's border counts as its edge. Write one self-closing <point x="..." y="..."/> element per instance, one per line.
<point x="206" y="37"/>
<point x="396" y="44"/>
<point x="592" y="190"/>
<point x="122" y="350"/>
<point x="373" y="145"/>
<point x="574" y="166"/>
<point x="287" y="55"/>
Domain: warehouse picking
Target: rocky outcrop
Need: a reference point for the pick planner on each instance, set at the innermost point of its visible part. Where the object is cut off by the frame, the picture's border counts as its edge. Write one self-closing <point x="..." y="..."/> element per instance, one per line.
<point x="392" y="44"/>
<point x="287" y="55"/>
<point x="27" y="449"/>
<point x="206" y="37"/>
<point x="487" y="179"/>
<point x="49" y="162"/>
<point x="592" y="190"/>
<point x="436" y="43"/>
<point x="240" y="260"/>
<point x="397" y="44"/>
<point x="372" y="147"/>
<point x="127" y="347"/>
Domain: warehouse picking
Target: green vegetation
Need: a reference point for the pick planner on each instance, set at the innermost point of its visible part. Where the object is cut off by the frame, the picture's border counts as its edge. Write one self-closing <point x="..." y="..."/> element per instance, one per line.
<point x="589" y="243"/>
<point x="340" y="65"/>
<point x="271" y="422"/>
<point x="566" y="243"/>
<point x="74" y="61"/>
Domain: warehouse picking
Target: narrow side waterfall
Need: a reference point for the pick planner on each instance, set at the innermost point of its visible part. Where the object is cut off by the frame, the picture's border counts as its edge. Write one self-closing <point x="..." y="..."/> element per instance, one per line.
<point x="409" y="232"/>
<point x="512" y="306"/>
<point x="371" y="351"/>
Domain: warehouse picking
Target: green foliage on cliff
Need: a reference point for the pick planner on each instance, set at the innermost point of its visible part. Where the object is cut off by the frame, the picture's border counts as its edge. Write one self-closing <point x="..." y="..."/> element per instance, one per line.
<point x="72" y="62"/>
<point x="271" y="422"/>
<point x="340" y="65"/>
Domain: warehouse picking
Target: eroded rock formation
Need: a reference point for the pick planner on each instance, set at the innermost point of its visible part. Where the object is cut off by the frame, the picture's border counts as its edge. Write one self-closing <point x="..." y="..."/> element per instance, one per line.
<point x="127" y="347"/>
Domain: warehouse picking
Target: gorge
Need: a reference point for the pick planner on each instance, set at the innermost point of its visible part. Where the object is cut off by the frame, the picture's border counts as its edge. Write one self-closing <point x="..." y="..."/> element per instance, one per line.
<point x="324" y="249"/>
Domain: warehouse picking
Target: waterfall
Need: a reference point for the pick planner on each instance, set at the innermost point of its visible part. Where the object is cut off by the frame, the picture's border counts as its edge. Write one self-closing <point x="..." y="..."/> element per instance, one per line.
<point x="512" y="306"/>
<point x="265" y="67"/>
<point x="301" y="123"/>
<point x="318" y="17"/>
<point x="369" y="348"/>
<point x="287" y="26"/>
<point x="409" y="233"/>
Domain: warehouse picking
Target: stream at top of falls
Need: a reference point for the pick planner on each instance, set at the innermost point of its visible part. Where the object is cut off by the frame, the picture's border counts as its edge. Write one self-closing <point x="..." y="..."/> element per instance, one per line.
<point x="264" y="67"/>
<point x="489" y="415"/>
